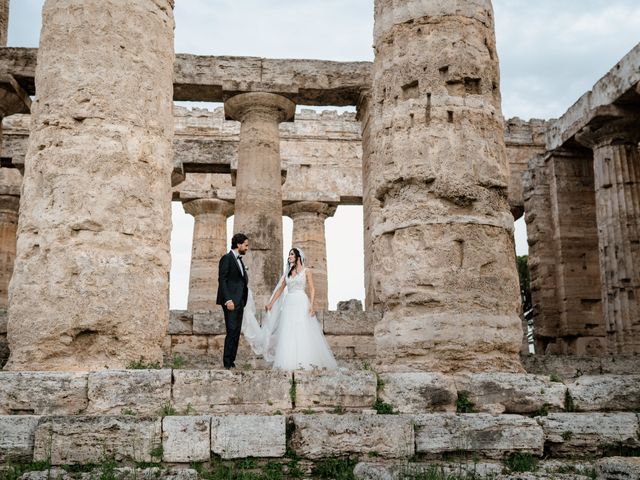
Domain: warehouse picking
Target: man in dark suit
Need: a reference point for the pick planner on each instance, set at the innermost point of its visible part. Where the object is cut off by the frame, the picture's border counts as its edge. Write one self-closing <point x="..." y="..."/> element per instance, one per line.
<point x="233" y="290"/>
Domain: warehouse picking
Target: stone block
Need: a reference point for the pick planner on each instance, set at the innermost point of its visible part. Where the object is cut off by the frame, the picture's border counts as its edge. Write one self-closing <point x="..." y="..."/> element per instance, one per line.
<point x="405" y="470"/>
<point x="186" y="439"/>
<point x="194" y="349"/>
<point x="350" y="322"/>
<point x="511" y="392"/>
<point x="618" y="468"/>
<point x="240" y="436"/>
<point x="180" y="322"/>
<point x="224" y="391"/>
<point x="349" y="305"/>
<point x="114" y="392"/>
<point x="43" y="393"/>
<point x="89" y="439"/>
<point x="209" y="322"/>
<point x="584" y="434"/>
<point x="419" y="392"/>
<point x="326" y="435"/>
<point x="341" y="388"/>
<point x="361" y="347"/>
<point x="606" y="393"/>
<point x="488" y="435"/>
<point x="17" y="434"/>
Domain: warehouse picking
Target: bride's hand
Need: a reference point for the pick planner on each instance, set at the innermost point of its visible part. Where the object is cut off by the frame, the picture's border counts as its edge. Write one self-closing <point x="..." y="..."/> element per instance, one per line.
<point x="268" y="307"/>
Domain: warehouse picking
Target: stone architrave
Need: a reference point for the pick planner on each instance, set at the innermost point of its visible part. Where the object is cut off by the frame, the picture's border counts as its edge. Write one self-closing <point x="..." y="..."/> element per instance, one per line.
<point x="443" y="242"/>
<point x="90" y="284"/>
<point x="258" y="212"/>
<point x="616" y="161"/>
<point x="209" y="244"/>
<point x="309" y="235"/>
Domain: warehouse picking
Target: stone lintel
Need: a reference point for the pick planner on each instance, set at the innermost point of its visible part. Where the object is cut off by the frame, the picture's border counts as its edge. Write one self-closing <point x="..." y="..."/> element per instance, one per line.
<point x="13" y="98"/>
<point x="620" y="84"/>
<point x="214" y="78"/>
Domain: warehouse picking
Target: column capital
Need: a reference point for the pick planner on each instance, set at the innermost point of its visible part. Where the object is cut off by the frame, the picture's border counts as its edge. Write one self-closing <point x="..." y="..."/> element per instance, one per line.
<point x="319" y="209"/>
<point x="271" y="105"/>
<point x="613" y="126"/>
<point x="202" y="206"/>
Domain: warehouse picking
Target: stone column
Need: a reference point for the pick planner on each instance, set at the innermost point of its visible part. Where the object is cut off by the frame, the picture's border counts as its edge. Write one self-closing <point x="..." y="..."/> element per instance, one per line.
<point x="370" y="205"/>
<point x="309" y="234"/>
<point x="209" y="244"/>
<point x="575" y="243"/>
<point x="542" y="258"/>
<point x="258" y="207"/>
<point x="614" y="141"/>
<point x="8" y="225"/>
<point x="444" y="242"/>
<point x="90" y="284"/>
<point x="4" y="22"/>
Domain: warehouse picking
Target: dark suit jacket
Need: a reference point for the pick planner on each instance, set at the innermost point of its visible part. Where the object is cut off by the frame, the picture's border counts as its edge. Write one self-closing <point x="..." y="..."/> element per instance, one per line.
<point x="232" y="285"/>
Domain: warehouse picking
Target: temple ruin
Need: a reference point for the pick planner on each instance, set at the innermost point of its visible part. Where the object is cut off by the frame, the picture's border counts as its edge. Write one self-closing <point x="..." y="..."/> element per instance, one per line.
<point x="89" y="171"/>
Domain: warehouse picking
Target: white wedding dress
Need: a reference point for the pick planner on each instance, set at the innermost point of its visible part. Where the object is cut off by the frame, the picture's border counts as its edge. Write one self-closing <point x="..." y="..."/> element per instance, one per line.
<point x="289" y="338"/>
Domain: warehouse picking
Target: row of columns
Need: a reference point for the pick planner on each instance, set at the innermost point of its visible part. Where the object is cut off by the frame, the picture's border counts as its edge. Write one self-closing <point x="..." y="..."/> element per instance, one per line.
<point x="210" y="243"/>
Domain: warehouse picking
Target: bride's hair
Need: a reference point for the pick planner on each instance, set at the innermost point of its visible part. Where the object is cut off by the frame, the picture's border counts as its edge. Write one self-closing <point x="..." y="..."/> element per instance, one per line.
<point x="296" y="252"/>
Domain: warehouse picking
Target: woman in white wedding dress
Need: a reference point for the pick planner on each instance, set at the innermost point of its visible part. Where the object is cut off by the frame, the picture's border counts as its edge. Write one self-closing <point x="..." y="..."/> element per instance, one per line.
<point x="291" y="337"/>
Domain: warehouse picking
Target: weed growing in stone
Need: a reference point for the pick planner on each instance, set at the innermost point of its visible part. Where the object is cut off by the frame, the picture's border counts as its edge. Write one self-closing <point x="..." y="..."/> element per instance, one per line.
<point x="463" y="404"/>
<point x="521" y="462"/>
<point x="335" y="469"/>
<point x="383" y="408"/>
<point x="167" y="410"/>
<point x="569" y="406"/>
<point x="177" y="361"/>
<point x="141" y="364"/>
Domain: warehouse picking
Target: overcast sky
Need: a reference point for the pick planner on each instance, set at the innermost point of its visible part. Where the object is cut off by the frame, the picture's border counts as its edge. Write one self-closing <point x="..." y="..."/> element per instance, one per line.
<point x="551" y="52"/>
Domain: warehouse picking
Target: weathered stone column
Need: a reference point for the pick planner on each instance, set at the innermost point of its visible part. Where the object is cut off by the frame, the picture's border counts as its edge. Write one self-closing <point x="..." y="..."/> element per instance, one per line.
<point x="209" y="244"/>
<point x="258" y="207"/>
<point x="90" y="284"/>
<point x="4" y="22"/>
<point x="614" y="141"/>
<point x="542" y="258"/>
<point x="8" y="225"/>
<point x="370" y="205"/>
<point x="575" y="242"/>
<point x="309" y="234"/>
<point x="444" y="245"/>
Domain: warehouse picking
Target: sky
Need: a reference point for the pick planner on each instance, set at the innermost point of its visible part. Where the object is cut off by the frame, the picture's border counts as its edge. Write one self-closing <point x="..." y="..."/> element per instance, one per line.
<point x="551" y="52"/>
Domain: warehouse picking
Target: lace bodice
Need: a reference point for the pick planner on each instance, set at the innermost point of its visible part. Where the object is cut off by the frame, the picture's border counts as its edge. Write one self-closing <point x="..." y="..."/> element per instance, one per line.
<point x="297" y="283"/>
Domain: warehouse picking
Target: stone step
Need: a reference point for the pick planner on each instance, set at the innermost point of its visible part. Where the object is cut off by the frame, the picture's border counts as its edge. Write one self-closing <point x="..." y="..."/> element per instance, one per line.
<point x="80" y="439"/>
<point x="200" y="392"/>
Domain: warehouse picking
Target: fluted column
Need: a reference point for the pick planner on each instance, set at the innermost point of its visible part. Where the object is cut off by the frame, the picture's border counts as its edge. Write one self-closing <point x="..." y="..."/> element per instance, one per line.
<point x="4" y="22"/>
<point x="90" y="284"/>
<point x="617" y="182"/>
<point x="209" y="244"/>
<point x="309" y="234"/>
<point x="8" y="226"/>
<point x="443" y="241"/>
<point x="258" y="206"/>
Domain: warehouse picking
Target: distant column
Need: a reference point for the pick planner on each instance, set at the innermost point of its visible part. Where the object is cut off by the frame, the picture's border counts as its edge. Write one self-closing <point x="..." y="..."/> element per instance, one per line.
<point x="4" y="22"/>
<point x="614" y="141"/>
<point x="309" y="234"/>
<point x="209" y="244"/>
<point x="258" y="206"/>
<point x="8" y="226"/>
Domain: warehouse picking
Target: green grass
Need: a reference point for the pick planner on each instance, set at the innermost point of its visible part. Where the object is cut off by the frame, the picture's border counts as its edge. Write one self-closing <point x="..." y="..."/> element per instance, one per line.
<point x="554" y="377"/>
<point x="13" y="471"/>
<point x="569" y="406"/>
<point x="167" y="410"/>
<point x="177" y="361"/>
<point x="433" y="472"/>
<point x="383" y="408"/>
<point x="521" y="462"/>
<point x="543" y="411"/>
<point x="334" y="469"/>
<point x="463" y="404"/>
<point x="141" y="364"/>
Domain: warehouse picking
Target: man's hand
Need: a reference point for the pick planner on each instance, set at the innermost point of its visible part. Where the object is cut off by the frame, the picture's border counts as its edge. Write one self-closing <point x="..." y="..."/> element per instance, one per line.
<point x="268" y="307"/>
<point x="230" y="306"/>
<point x="312" y="311"/>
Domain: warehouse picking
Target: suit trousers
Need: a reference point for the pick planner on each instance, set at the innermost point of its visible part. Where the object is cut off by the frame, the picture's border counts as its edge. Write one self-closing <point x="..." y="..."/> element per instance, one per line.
<point x="233" y="325"/>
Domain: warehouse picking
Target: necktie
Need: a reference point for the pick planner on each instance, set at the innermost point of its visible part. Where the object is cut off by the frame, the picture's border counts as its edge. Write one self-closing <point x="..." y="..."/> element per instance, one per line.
<point x="243" y="269"/>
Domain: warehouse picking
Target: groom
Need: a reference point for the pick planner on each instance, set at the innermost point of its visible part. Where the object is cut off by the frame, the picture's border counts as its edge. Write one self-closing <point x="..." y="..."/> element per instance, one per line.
<point x="233" y="290"/>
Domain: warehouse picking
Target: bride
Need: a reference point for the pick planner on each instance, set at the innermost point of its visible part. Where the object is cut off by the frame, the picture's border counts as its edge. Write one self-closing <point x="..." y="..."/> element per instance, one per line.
<point x="290" y="337"/>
